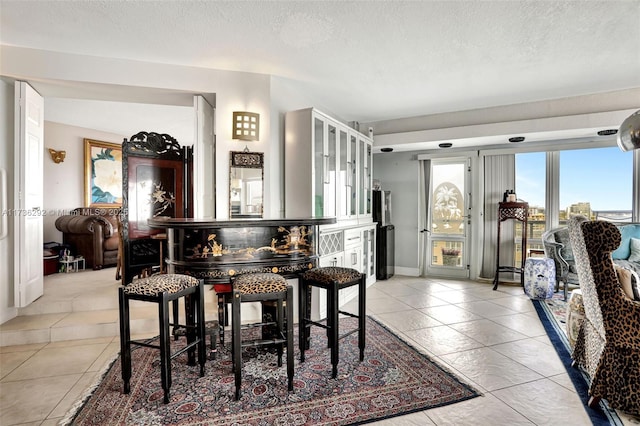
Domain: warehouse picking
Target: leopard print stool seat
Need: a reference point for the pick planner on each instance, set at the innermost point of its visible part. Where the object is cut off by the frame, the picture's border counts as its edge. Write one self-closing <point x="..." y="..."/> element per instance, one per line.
<point x="332" y="273"/>
<point x="332" y="279"/>
<point x="156" y="284"/>
<point x="260" y="283"/>
<point x="164" y="290"/>
<point x="262" y="287"/>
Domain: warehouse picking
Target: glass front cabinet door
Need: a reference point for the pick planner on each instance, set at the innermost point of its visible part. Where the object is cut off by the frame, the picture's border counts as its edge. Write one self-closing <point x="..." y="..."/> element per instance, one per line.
<point x="364" y="176"/>
<point x="353" y="187"/>
<point x="328" y="168"/>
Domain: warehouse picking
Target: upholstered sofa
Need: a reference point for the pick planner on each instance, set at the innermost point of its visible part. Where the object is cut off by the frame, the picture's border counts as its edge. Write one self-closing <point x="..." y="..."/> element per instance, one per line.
<point x="92" y="233"/>
<point x="608" y="342"/>
<point x="558" y="247"/>
<point x="627" y="255"/>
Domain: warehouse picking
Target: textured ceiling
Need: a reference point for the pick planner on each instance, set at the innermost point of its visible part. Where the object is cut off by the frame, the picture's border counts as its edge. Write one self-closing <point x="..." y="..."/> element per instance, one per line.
<point x="368" y="60"/>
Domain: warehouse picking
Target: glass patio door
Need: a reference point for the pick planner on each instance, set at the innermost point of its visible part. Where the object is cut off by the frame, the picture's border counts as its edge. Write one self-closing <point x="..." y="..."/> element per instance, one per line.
<point x="449" y="218"/>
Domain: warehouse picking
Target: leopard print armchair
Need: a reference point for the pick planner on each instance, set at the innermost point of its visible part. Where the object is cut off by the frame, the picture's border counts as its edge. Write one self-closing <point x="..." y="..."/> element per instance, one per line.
<point x="608" y="343"/>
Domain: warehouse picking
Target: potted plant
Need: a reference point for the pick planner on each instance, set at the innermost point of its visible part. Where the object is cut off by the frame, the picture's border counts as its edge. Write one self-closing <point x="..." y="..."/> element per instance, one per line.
<point x="450" y="256"/>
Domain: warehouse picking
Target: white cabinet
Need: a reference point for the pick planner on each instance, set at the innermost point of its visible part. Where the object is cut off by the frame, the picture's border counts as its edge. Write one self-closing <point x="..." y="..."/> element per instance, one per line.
<point x="328" y="173"/>
<point x="352" y="247"/>
<point x="369" y="253"/>
<point x="364" y="168"/>
<point x="327" y="168"/>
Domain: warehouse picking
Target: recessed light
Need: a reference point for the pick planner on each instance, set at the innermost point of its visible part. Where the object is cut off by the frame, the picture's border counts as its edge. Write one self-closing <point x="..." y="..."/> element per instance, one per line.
<point x="445" y="145"/>
<point x="386" y="149"/>
<point x="607" y="132"/>
<point x="516" y="139"/>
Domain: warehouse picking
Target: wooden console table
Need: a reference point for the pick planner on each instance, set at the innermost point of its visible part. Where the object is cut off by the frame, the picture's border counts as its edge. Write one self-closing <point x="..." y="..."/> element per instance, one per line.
<point x="517" y="211"/>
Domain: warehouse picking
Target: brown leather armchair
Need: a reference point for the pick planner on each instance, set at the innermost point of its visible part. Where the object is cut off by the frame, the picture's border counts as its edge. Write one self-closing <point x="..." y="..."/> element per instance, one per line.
<point x="92" y="233"/>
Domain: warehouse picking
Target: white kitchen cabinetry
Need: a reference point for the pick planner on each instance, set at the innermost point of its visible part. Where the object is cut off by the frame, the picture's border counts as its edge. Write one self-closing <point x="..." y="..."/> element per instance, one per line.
<point x="352" y="247"/>
<point x="328" y="173"/>
<point x="327" y="168"/>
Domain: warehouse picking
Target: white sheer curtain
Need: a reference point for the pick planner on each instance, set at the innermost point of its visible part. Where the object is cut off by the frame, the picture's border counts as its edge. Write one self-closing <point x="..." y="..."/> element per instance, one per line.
<point x="499" y="175"/>
<point x="423" y="214"/>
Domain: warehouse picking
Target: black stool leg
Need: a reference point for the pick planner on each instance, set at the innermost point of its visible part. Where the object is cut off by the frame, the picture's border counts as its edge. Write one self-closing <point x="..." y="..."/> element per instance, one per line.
<point x="176" y="316"/>
<point x="362" y="314"/>
<point x="165" y="346"/>
<point x="280" y="326"/>
<point x="330" y="309"/>
<point x="200" y="327"/>
<point x="222" y="315"/>
<point x="302" y="315"/>
<point x="333" y="324"/>
<point x="289" y="320"/>
<point x="125" y="340"/>
<point x="189" y="311"/>
<point x="237" y="342"/>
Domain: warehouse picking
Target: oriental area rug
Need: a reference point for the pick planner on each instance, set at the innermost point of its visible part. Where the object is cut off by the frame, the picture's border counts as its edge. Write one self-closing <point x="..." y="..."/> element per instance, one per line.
<point x="394" y="379"/>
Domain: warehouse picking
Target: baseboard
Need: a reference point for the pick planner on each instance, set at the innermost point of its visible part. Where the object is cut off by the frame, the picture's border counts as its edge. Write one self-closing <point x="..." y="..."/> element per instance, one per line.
<point x="409" y="272"/>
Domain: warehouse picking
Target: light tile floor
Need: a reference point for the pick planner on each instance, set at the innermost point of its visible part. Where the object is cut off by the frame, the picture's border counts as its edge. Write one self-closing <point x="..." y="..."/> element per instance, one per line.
<point x="491" y="339"/>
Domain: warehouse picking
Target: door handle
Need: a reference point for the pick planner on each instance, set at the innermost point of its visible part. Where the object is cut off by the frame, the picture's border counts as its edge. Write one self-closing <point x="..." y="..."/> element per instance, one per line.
<point x="425" y="230"/>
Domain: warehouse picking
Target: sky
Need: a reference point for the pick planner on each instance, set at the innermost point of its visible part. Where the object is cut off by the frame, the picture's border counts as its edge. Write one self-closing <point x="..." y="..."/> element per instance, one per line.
<point x="601" y="176"/>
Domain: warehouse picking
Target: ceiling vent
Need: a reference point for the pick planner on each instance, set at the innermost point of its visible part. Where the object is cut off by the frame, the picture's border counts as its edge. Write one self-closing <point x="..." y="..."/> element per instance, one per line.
<point x="516" y="139"/>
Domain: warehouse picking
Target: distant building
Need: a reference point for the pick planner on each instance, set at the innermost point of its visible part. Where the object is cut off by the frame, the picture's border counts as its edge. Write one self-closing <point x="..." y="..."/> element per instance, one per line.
<point x="583" y="209"/>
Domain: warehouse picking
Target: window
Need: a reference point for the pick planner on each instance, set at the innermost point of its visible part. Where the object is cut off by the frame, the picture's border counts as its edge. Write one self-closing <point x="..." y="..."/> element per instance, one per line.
<point x="530" y="187"/>
<point x="596" y="183"/>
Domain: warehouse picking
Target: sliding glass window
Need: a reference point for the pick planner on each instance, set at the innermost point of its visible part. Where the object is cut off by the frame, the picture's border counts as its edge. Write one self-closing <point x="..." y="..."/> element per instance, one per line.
<point x="530" y="187"/>
<point x="596" y="183"/>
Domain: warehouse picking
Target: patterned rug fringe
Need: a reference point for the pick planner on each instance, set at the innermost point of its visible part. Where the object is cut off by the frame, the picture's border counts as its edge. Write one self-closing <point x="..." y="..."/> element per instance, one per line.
<point x="80" y="403"/>
<point x="396" y="378"/>
<point x="423" y="352"/>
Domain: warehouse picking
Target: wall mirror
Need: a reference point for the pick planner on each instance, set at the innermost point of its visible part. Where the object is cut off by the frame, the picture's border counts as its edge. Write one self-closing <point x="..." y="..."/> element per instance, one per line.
<point x="246" y="184"/>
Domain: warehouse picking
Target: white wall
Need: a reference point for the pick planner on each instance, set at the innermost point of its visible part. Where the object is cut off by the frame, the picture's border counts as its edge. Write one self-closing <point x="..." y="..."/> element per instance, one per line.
<point x="286" y="95"/>
<point x="64" y="182"/>
<point x="399" y="173"/>
<point x="234" y="91"/>
<point x="7" y="307"/>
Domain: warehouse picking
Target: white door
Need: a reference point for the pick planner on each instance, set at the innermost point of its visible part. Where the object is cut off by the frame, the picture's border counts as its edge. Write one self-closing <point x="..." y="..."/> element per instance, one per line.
<point x="29" y="165"/>
<point x="449" y="218"/>
<point x="204" y="158"/>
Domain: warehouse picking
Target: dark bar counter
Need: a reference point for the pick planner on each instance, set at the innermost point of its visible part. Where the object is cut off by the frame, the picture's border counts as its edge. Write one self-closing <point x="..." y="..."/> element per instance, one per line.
<point x="216" y="250"/>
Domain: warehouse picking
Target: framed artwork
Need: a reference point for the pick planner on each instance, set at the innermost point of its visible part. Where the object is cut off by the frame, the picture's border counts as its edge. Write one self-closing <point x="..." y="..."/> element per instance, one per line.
<point x="102" y="174"/>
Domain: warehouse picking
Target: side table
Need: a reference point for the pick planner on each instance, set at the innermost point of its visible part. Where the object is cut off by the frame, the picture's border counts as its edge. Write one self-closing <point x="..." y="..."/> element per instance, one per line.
<point x="517" y="211"/>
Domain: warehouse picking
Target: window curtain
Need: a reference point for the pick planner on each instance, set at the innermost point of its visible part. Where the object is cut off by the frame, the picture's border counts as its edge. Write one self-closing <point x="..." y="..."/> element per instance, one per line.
<point x="499" y="175"/>
<point x="423" y="214"/>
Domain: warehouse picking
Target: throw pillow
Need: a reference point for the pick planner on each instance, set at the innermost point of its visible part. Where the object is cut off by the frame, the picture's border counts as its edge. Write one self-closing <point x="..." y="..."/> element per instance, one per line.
<point x="635" y="250"/>
<point x="624" y="276"/>
<point x="626" y="233"/>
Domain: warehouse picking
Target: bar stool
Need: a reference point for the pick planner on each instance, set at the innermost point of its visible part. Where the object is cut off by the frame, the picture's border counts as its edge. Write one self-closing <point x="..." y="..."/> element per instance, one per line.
<point x="164" y="289"/>
<point x="262" y="287"/>
<point x="332" y="279"/>
<point x="211" y="329"/>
